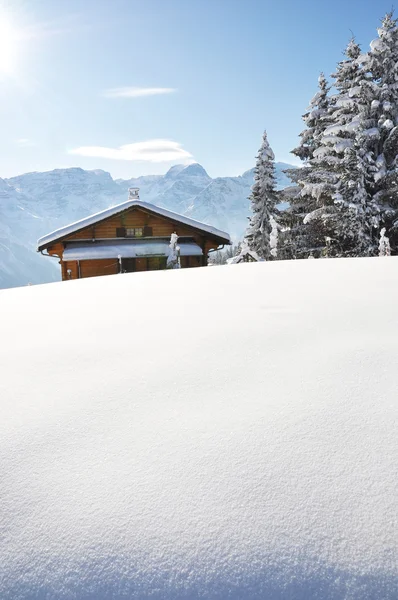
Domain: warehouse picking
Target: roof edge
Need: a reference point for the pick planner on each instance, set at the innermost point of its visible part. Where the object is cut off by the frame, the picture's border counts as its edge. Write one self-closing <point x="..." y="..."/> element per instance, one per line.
<point x="67" y="230"/>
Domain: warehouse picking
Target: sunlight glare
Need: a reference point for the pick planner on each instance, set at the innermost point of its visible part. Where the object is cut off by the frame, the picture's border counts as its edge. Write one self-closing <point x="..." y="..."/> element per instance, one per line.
<point x="9" y="45"/>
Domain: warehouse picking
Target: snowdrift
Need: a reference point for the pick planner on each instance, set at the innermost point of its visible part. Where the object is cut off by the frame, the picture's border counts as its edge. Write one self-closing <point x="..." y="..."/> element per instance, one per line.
<point x="209" y="433"/>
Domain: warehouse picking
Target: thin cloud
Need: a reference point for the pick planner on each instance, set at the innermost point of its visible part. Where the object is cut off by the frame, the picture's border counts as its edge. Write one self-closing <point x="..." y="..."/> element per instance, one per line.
<point x="24" y="142"/>
<point x="74" y="23"/>
<point x="136" y="92"/>
<point x="155" y="151"/>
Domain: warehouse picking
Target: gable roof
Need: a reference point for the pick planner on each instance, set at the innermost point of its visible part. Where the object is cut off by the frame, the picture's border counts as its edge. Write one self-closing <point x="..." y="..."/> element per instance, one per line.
<point x="46" y="240"/>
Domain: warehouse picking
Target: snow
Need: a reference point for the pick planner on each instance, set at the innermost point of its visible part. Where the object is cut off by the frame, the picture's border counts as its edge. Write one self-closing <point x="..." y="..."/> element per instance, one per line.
<point x="321" y="151"/>
<point x="334" y="130"/>
<point x="342" y="145"/>
<point x="381" y="168"/>
<point x="318" y="213"/>
<point x="136" y="248"/>
<point x="339" y="128"/>
<point x="373" y="132"/>
<point x="355" y="91"/>
<point x="257" y="460"/>
<point x="377" y="45"/>
<point x="345" y="102"/>
<point x="245" y="254"/>
<point x="388" y="124"/>
<point x="384" y="244"/>
<point x="174" y="251"/>
<point x="339" y="144"/>
<point x="104" y="214"/>
<point x="315" y="190"/>
<point x="273" y="238"/>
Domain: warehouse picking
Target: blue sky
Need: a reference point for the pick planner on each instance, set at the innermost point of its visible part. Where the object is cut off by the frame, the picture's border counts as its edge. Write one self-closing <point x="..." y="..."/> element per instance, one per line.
<point x="134" y="86"/>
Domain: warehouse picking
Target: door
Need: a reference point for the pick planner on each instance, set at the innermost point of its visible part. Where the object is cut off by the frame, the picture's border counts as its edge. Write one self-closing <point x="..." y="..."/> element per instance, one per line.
<point x="141" y="264"/>
<point x="128" y="265"/>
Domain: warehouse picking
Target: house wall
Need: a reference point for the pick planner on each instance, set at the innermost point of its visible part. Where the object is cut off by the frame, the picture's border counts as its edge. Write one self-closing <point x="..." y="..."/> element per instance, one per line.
<point x="134" y="217"/>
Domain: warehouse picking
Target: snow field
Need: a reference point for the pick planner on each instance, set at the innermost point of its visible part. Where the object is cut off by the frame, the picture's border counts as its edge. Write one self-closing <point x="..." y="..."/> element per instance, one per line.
<point x="201" y="433"/>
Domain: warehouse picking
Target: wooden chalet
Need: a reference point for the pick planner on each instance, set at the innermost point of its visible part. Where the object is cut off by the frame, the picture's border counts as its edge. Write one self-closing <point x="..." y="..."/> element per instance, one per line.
<point x="132" y="236"/>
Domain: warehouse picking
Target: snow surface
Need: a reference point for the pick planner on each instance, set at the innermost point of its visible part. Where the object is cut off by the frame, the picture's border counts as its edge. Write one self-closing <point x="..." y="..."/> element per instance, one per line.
<point x="104" y="214"/>
<point x="256" y="460"/>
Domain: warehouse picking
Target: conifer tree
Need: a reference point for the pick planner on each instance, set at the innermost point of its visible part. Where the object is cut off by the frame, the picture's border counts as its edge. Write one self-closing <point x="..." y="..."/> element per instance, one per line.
<point x="381" y="129"/>
<point x="349" y="181"/>
<point x="263" y="203"/>
<point x="314" y="121"/>
<point x="304" y="221"/>
<point x="343" y="150"/>
<point x="337" y="181"/>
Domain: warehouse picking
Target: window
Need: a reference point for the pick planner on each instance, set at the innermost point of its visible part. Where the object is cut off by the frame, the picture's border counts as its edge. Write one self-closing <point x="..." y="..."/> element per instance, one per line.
<point x="134" y="232"/>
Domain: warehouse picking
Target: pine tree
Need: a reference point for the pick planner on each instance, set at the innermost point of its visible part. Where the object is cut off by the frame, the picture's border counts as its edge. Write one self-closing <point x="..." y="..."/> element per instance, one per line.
<point x="263" y="202"/>
<point x="381" y="129"/>
<point x="343" y="150"/>
<point x="314" y="121"/>
<point x="305" y="222"/>
<point x="336" y="182"/>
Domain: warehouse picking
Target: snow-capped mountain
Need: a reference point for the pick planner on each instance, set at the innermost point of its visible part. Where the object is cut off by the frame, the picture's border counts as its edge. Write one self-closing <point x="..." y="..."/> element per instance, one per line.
<point x="19" y="226"/>
<point x="33" y="204"/>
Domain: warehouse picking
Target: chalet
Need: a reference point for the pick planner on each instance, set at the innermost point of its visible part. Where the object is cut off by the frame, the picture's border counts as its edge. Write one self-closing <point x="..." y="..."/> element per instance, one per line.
<point x="132" y="236"/>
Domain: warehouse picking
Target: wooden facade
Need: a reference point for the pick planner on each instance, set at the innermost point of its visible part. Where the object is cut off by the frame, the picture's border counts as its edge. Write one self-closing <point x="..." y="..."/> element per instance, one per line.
<point x="136" y="225"/>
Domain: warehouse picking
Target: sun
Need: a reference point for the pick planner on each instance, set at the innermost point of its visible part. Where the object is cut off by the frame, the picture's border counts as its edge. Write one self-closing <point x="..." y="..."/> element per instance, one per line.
<point x="10" y="41"/>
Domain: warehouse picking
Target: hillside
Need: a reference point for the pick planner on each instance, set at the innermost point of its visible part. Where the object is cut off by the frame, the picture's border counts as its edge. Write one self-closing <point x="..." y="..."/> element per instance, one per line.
<point x="154" y="448"/>
<point x="33" y="204"/>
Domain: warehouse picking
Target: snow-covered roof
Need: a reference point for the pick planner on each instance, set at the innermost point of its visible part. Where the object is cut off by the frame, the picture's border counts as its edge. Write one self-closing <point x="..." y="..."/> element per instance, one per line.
<point x="219" y="433"/>
<point x="126" y="249"/>
<point x="114" y="210"/>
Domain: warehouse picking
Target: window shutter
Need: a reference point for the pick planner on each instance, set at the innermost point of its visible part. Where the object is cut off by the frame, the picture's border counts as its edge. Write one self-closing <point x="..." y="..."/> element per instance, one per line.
<point x="120" y="232"/>
<point x="147" y="231"/>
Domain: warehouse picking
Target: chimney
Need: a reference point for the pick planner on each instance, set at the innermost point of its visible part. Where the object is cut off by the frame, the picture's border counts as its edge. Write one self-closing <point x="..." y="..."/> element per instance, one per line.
<point x="134" y="193"/>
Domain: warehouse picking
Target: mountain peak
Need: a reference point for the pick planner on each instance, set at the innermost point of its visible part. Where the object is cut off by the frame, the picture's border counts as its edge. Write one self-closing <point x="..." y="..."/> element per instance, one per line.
<point x="195" y="169"/>
<point x="174" y="171"/>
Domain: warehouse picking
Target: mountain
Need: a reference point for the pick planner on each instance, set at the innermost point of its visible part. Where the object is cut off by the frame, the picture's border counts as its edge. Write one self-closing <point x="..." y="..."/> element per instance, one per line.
<point x="19" y="226"/>
<point x="64" y="193"/>
<point x="175" y="190"/>
<point x="33" y="204"/>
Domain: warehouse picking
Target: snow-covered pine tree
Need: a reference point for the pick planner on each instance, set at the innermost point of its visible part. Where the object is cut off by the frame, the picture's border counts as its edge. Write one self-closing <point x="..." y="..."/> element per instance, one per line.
<point x="349" y="182"/>
<point x="314" y="120"/>
<point x="381" y="129"/>
<point x="303" y="227"/>
<point x="263" y="203"/>
<point x="244" y="254"/>
<point x="344" y="153"/>
<point x="336" y="182"/>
